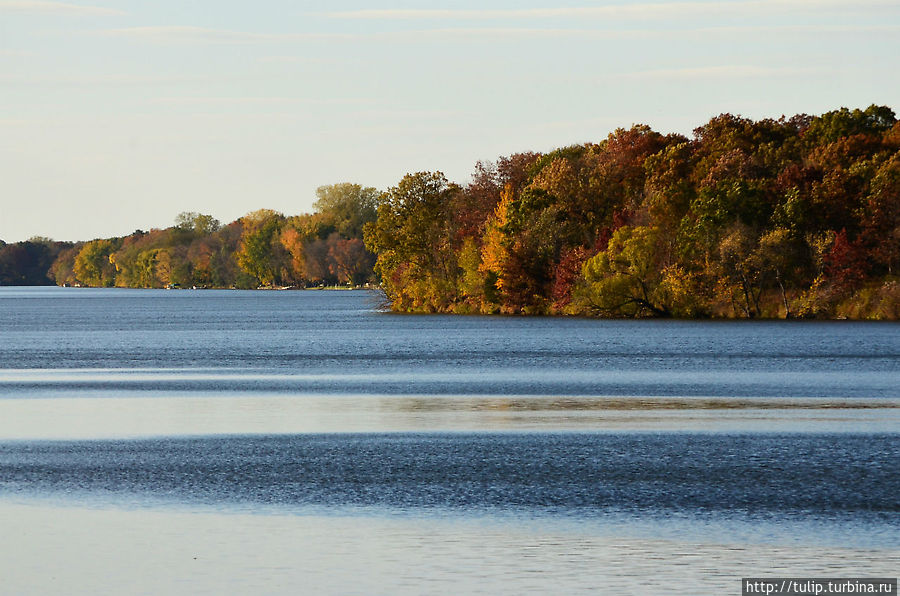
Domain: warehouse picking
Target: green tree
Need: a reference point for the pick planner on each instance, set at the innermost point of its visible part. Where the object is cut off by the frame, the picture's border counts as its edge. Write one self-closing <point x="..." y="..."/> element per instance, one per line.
<point x="739" y="272"/>
<point x="778" y="256"/>
<point x="198" y="223"/>
<point x="881" y="216"/>
<point x="412" y="241"/>
<point x="625" y="279"/>
<point x="833" y="125"/>
<point x="261" y="254"/>
<point x="348" y="207"/>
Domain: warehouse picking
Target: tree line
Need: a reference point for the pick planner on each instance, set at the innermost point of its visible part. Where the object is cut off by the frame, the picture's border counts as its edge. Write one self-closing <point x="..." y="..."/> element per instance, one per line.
<point x="794" y="217"/>
<point x="789" y="217"/>
<point x="264" y="248"/>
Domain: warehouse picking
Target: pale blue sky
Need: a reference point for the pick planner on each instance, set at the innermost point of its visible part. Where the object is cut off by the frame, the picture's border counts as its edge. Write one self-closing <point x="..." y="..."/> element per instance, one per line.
<point x="118" y="114"/>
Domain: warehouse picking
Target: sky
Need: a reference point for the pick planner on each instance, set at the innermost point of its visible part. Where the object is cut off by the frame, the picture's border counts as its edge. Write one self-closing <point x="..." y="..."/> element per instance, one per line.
<point x="117" y="115"/>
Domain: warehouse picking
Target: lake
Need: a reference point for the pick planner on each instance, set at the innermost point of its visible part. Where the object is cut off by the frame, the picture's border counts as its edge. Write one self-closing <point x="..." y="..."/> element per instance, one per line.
<point x="275" y="442"/>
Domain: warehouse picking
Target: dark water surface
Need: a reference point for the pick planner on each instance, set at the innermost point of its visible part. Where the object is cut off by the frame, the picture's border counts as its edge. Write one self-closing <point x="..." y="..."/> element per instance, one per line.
<point x="633" y="444"/>
<point x="564" y="472"/>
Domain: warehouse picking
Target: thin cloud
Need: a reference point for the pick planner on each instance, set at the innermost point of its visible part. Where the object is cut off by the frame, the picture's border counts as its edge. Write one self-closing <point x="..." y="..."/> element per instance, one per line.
<point x="57" y="8"/>
<point x="223" y="100"/>
<point x="493" y="14"/>
<point x="202" y="35"/>
<point x="93" y="80"/>
<point x="187" y="34"/>
<point x="205" y="35"/>
<point x="807" y="29"/>
<point x="495" y="33"/>
<point x="256" y="100"/>
<point x="295" y="60"/>
<point x="407" y="114"/>
<point x="730" y="71"/>
<point x="639" y="10"/>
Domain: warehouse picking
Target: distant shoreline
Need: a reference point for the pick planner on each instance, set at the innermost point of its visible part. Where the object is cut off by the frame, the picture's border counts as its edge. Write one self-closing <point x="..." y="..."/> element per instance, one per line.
<point x="386" y="307"/>
<point x="794" y="218"/>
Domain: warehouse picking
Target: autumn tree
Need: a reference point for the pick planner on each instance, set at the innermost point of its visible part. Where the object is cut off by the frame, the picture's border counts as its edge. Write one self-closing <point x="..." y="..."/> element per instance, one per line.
<point x="28" y="263"/>
<point x="351" y="263"/>
<point x="93" y="266"/>
<point x="794" y="216"/>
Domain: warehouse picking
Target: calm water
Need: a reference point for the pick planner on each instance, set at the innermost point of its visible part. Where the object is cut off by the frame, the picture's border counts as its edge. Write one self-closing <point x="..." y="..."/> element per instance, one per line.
<point x="254" y="442"/>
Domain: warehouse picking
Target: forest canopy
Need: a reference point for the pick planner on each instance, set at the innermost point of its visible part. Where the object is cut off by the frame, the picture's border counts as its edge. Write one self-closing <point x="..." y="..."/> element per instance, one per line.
<point x="794" y="217"/>
<point x="264" y="248"/>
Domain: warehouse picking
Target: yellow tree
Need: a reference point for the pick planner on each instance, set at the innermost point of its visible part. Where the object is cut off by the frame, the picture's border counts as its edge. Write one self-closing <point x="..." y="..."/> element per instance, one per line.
<point x="261" y="253"/>
<point x="494" y="247"/>
<point x="93" y="266"/>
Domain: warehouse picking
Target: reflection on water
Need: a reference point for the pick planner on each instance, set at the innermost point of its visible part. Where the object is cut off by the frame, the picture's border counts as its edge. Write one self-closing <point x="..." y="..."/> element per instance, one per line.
<point x="137" y="415"/>
<point x="197" y="552"/>
<point x="257" y="442"/>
